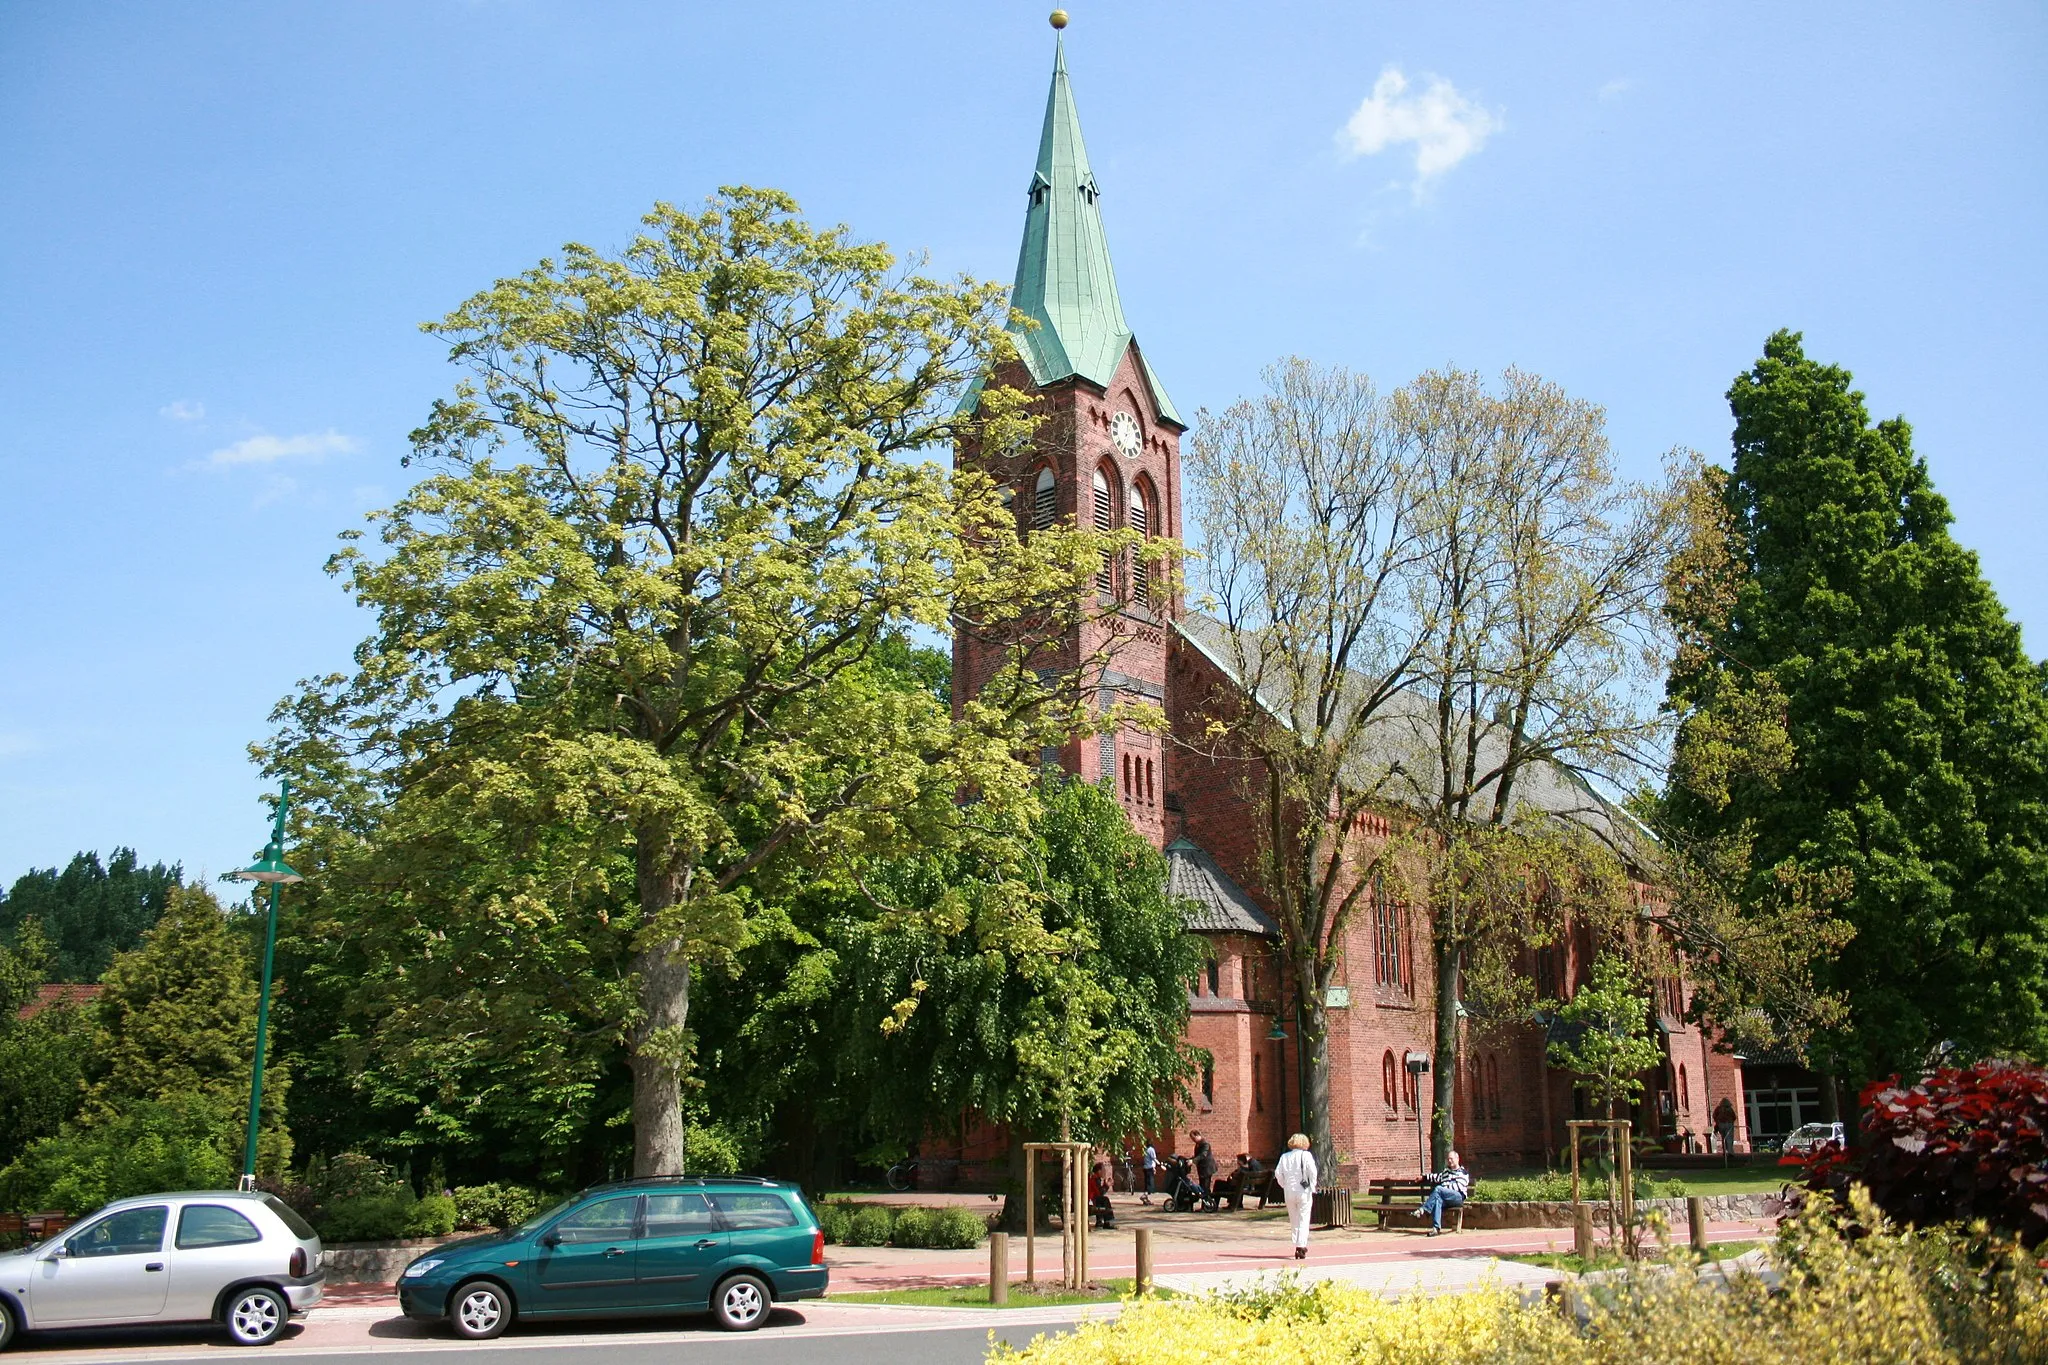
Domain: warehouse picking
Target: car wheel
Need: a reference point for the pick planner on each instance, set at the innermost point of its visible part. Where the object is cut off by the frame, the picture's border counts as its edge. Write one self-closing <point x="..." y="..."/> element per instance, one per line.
<point x="479" y="1310"/>
<point x="256" y="1316"/>
<point x="741" y="1303"/>
<point x="10" y="1327"/>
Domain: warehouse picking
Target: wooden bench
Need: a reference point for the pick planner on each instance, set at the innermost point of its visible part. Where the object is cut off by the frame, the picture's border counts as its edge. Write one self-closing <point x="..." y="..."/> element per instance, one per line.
<point x="1404" y="1197"/>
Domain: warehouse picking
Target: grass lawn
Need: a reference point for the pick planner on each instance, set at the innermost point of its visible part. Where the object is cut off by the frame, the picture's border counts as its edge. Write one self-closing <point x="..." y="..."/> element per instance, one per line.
<point x="1565" y="1260"/>
<point x="976" y="1296"/>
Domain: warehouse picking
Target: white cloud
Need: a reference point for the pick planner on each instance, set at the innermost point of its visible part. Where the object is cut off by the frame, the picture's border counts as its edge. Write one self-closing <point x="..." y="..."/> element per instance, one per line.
<point x="183" y="410"/>
<point x="268" y="450"/>
<point x="1444" y="125"/>
<point x="1616" y="88"/>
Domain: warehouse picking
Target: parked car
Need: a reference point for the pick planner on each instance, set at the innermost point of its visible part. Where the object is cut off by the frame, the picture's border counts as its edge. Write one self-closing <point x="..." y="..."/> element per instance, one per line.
<point x="1808" y="1136"/>
<point x="732" y="1246"/>
<point x="244" y="1260"/>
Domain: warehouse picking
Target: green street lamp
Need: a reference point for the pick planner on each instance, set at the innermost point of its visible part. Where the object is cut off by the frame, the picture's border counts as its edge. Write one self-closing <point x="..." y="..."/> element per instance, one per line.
<point x="269" y="868"/>
<point x="1278" y="1035"/>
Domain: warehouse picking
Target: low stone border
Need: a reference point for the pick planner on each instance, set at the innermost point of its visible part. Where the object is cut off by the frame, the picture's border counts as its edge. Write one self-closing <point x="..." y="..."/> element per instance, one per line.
<point x="375" y="1262"/>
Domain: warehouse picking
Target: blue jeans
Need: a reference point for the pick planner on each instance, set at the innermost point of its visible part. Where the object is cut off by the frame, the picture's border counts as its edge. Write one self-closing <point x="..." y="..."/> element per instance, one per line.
<point x="1441" y="1198"/>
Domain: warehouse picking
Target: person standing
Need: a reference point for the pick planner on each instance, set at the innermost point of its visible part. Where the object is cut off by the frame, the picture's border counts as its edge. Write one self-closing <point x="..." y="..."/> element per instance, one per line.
<point x="1724" y="1125"/>
<point x="1448" y="1189"/>
<point x="1150" y="1161"/>
<point x="1296" y="1173"/>
<point x="1205" y="1169"/>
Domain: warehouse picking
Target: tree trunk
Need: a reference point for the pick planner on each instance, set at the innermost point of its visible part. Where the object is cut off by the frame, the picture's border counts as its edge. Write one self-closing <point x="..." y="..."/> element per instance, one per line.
<point x="1013" y="1197"/>
<point x="1444" y="1066"/>
<point x="1315" y="1085"/>
<point x="657" y="1083"/>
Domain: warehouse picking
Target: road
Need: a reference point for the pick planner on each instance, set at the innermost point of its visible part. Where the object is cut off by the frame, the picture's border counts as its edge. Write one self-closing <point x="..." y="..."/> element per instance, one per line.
<point x="812" y="1335"/>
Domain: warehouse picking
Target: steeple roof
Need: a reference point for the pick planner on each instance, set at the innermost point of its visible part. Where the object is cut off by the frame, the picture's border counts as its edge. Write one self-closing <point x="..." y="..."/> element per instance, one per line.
<point x="1064" y="279"/>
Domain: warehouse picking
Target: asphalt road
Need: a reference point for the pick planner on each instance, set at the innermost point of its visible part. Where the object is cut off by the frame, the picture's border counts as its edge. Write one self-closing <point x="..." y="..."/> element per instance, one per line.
<point x="787" y="1340"/>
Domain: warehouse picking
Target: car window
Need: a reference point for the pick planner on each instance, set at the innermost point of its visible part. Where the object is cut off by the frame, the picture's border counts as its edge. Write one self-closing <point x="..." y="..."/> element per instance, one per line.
<point x="127" y="1233"/>
<point x="300" y="1228"/>
<point x="679" y="1215"/>
<point x="608" y="1220"/>
<point x="212" y="1225"/>
<point x="754" y="1210"/>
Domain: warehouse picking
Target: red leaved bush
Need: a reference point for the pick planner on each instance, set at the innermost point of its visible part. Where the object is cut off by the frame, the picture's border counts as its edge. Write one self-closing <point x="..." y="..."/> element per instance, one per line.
<point x="1966" y="1143"/>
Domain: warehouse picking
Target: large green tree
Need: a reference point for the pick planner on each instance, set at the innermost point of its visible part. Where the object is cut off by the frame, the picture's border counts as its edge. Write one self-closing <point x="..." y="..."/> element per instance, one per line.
<point x="623" y="668"/>
<point x="1918" y="728"/>
<point x="89" y="911"/>
<point x="870" y="1032"/>
<point x="42" y="1081"/>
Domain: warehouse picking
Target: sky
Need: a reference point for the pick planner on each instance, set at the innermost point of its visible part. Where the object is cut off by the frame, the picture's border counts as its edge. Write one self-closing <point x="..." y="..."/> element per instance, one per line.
<point x="221" y="225"/>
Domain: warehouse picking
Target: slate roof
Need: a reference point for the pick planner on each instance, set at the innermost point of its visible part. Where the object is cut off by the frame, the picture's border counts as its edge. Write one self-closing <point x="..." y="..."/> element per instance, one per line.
<point x="1399" y="745"/>
<point x="1223" y="907"/>
<point x="1065" y="282"/>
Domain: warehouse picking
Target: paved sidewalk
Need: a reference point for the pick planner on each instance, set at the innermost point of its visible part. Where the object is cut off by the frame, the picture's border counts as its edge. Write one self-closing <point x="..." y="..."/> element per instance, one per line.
<point x="1199" y="1254"/>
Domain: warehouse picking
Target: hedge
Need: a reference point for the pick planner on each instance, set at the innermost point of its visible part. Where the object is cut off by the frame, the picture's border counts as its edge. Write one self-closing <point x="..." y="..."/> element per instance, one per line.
<point x="952" y="1228"/>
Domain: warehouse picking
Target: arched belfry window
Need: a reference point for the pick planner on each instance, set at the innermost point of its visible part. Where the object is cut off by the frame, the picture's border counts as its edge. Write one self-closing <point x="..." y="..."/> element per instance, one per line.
<point x="1105" y="520"/>
<point x="1045" y="501"/>
<point x="1141" y="522"/>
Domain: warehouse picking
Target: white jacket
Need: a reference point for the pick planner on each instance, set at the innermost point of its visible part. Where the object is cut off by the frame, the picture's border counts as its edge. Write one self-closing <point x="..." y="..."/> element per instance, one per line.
<point x="1296" y="1170"/>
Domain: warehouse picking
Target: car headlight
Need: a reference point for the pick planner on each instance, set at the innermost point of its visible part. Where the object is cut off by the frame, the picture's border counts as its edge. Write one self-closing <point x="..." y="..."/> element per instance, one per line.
<point x="419" y="1268"/>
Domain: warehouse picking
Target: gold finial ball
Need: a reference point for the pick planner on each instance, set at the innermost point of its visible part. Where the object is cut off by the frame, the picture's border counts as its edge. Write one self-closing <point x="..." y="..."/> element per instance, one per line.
<point x="1059" y="18"/>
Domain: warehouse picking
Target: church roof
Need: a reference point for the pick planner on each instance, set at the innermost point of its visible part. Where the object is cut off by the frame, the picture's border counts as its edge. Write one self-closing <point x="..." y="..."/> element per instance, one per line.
<point x="1222" y="906"/>
<point x="1399" y="745"/>
<point x="1064" y="279"/>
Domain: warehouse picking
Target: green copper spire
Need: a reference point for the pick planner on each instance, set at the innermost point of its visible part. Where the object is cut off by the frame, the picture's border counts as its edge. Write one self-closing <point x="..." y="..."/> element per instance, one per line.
<point x="1064" y="279"/>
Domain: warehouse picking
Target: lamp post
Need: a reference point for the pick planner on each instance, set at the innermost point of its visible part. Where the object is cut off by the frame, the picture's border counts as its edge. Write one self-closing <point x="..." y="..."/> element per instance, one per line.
<point x="269" y="868"/>
<point x="1278" y="1034"/>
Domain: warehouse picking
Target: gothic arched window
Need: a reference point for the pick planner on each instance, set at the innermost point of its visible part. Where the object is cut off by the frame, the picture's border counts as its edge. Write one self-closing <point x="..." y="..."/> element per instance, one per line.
<point x="1141" y="522"/>
<point x="1390" y="1072"/>
<point x="1045" y="501"/>
<point x="1105" y="521"/>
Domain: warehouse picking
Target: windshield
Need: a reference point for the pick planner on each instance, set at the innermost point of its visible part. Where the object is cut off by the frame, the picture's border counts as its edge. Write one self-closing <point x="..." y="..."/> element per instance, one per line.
<point x="534" y="1222"/>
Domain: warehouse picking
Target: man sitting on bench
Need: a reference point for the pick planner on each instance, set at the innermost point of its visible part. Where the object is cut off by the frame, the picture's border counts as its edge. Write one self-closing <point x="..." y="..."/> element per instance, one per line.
<point x="1448" y="1189"/>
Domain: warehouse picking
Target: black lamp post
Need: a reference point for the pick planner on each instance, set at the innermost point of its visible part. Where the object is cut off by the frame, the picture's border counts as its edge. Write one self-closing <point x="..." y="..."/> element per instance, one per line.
<point x="1277" y="1034"/>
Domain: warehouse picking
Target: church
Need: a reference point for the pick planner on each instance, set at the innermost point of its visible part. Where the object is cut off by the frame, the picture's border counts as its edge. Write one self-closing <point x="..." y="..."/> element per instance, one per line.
<point x="1109" y="453"/>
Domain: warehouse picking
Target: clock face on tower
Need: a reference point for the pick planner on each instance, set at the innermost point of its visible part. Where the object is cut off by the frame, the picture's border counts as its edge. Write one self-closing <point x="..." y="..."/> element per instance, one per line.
<point x="1123" y="434"/>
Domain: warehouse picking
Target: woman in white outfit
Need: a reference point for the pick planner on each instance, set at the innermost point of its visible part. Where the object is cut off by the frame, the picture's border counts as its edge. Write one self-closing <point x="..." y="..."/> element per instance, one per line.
<point x="1296" y="1172"/>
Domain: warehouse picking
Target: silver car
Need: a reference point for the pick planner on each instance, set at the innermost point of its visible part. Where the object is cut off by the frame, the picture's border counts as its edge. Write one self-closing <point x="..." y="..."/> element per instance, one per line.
<point x="244" y="1260"/>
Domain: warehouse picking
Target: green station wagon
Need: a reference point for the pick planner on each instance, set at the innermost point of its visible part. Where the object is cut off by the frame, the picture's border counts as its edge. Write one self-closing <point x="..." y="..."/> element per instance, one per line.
<point x="729" y="1245"/>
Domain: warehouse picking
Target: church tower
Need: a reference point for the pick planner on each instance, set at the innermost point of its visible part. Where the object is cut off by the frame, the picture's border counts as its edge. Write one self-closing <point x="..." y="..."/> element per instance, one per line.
<point x="1108" y="449"/>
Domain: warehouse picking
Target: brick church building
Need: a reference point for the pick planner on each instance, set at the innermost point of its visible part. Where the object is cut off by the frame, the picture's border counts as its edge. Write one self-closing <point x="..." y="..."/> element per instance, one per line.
<point x="1109" y="452"/>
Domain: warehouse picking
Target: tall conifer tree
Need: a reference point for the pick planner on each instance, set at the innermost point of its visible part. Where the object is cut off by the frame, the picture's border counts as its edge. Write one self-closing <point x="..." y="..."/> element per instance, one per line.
<point x="1918" y="726"/>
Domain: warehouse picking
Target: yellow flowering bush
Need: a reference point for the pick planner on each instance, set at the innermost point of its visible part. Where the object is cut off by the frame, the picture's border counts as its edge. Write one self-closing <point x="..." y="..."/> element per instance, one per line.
<point x="1937" y="1297"/>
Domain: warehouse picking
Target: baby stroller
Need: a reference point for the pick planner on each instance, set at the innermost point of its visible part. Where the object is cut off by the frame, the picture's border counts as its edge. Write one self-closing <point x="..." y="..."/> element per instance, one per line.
<point x="1183" y="1191"/>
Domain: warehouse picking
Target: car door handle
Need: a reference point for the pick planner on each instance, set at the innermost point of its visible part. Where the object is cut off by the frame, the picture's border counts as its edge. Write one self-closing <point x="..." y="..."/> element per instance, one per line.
<point x="614" y="1251"/>
<point x="154" y="1265"/>
<point x="703" y="1242"/>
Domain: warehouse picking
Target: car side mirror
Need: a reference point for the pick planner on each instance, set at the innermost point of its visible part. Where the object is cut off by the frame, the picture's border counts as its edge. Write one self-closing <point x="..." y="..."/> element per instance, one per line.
<point x="553" y="1239"/>
<point x="58" y="1252"/>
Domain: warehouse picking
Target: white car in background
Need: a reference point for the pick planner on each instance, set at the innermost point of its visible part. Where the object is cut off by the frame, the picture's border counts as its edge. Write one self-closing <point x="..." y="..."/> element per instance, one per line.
<point x="244" y="1260"/>
<point x="1808" y="1136"/>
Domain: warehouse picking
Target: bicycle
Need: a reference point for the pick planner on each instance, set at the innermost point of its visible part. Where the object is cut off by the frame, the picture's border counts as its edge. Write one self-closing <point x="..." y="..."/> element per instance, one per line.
<point x="903" y="1175"/>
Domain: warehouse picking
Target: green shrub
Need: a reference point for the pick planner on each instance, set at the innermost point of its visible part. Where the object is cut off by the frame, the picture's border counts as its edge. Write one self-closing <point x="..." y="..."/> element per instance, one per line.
<point x="836" y="1220"/>
<point x="869" y="1227"/>
<point x="913" y="1228"/>
<point x="189" y="1143"/>
<point x="711" y="1149"/>
<point x="379" y="1217"/>
<point x="433" y="1216"/>
<point x="1556" y="1187"/>
<point x="494" y="1205"/>
<point x="957" y="1229"/>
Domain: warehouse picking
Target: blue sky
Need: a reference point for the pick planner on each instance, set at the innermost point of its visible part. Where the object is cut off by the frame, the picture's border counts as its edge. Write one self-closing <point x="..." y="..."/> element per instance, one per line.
<point x="221" y="225"/>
